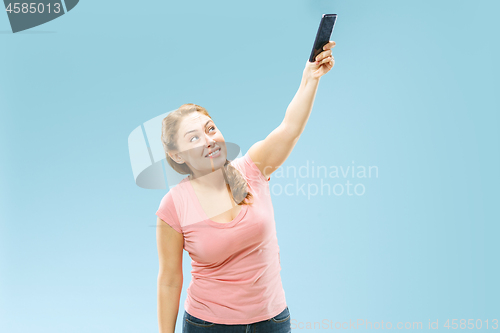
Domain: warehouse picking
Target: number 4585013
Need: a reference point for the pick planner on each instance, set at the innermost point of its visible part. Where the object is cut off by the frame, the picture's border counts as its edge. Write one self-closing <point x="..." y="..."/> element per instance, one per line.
<point x="33" y="7"/>
<point x="471" y="324"/>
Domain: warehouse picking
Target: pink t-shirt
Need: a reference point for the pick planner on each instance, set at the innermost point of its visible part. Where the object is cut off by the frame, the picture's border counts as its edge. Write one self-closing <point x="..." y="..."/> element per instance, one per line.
<point x="236" y="265"/>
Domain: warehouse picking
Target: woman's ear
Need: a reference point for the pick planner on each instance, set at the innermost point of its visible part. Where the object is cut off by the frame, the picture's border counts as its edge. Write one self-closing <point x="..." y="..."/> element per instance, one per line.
<point x="176" y="158"/>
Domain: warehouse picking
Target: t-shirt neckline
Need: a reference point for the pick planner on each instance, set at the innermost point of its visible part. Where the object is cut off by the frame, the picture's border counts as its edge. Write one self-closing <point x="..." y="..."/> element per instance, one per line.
<point x="206" y="219"/>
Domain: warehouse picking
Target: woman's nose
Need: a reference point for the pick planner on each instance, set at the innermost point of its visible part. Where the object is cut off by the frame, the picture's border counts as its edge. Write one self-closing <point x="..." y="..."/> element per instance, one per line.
<point x="208" y="140"/>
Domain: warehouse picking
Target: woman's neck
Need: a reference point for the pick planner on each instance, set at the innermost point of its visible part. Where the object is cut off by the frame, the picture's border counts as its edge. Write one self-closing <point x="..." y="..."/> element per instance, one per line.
<point x="212" y="181"/>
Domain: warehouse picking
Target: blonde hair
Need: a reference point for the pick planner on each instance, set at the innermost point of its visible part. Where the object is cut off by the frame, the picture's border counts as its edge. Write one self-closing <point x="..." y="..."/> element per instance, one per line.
<point x="169" y="134"/>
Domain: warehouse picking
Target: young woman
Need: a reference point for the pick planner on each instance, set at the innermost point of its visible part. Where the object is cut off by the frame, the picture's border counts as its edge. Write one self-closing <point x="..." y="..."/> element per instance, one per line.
<point x="222" y="214"/>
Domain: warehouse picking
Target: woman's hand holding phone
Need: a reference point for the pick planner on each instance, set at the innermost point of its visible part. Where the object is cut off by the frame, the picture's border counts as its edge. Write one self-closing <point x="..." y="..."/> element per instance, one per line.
<point x="324" y="62"/>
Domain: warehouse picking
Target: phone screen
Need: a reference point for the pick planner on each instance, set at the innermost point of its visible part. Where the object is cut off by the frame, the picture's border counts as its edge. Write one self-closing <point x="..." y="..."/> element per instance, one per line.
<point x="323" y="35"/>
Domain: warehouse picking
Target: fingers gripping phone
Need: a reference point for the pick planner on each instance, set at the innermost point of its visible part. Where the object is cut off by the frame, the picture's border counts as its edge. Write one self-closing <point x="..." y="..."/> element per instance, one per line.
<point x="323" y="35"/>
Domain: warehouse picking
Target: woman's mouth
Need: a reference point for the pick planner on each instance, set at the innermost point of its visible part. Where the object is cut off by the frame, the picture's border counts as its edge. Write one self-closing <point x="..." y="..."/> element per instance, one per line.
<point x="215" y="153"/>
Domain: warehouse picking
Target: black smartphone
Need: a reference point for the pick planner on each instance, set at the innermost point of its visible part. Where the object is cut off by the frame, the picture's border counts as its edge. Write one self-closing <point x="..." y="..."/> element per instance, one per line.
<point x="323" y="35"/>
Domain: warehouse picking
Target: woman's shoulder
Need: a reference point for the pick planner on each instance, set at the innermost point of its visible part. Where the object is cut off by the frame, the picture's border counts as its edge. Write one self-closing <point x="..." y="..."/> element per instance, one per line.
<point x="175" y="193"/>
<point x="248" y="168"/>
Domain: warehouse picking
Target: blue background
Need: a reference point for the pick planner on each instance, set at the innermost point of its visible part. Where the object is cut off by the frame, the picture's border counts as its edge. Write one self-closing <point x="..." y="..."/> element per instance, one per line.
<point x="412" y="92"/>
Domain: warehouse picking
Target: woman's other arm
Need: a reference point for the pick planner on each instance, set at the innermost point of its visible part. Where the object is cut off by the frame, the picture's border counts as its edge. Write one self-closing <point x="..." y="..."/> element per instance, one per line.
<point x="170" y="278"/>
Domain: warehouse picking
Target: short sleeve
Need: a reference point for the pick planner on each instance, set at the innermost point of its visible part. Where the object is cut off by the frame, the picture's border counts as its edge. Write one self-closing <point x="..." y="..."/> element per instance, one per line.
<point x="246" y="165"/>
<point x="168" y="213"/>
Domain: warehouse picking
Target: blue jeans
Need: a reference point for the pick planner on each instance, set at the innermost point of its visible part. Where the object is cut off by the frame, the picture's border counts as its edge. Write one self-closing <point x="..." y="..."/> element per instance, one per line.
<point x="278" y="324"/>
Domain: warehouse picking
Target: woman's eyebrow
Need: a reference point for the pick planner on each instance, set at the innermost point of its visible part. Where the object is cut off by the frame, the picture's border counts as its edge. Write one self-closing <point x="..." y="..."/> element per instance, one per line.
<point x="195" y="129"/>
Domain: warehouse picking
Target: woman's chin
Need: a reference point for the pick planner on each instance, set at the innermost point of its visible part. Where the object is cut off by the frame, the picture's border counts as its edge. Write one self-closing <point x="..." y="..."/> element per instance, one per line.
<point x="214" y="162"/>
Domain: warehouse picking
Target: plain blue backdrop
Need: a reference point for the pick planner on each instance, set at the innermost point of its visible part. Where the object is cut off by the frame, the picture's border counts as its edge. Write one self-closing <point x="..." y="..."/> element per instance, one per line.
<point x="414" y="92"/>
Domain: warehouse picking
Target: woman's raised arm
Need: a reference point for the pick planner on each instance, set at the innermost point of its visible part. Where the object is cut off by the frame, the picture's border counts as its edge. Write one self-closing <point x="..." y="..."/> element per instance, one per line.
<point x="269" y="154"/>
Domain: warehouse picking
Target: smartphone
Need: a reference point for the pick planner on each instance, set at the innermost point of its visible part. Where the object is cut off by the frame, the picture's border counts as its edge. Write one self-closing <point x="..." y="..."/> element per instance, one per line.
<point x="323" y="35"/>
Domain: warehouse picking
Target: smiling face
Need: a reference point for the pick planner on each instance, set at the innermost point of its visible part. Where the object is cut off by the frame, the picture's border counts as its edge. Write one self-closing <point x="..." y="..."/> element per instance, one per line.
<point x="197" y="137"/>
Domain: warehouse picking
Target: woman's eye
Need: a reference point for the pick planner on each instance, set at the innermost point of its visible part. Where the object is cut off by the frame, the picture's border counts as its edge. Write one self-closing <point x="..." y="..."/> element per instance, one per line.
<point x="191" y="140"/>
